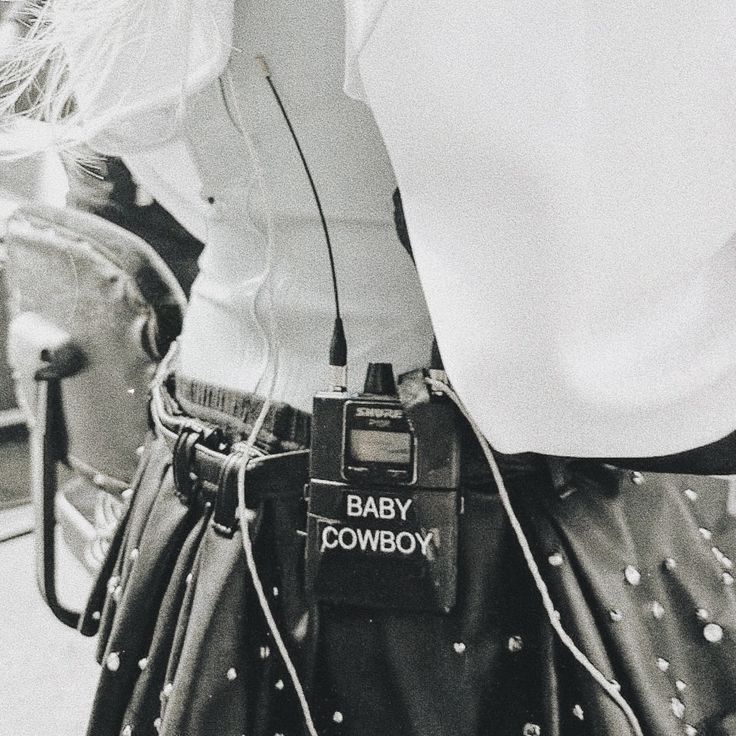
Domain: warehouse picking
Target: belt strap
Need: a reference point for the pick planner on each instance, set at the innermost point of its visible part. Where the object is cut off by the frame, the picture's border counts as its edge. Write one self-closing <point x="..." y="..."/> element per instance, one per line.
<point x="204" y="463"/>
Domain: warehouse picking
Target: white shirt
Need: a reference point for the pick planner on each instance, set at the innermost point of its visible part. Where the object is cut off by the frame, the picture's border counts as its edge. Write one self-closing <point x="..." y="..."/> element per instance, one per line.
<point x="221" y="160"/>
<point x="568" y="173"/>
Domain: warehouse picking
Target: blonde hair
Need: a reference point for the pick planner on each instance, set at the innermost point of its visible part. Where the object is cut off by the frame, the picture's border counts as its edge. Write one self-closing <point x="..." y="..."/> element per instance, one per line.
<point x="37" y="97"/>
<point x="80" y="65"/>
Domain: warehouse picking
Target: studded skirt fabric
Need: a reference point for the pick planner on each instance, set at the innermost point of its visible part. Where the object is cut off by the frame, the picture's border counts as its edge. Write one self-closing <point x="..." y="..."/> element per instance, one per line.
<point x="638" y="566"/>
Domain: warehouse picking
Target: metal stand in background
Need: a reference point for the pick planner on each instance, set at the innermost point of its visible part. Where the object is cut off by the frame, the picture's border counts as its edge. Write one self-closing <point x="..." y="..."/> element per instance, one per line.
<point x="48" y="448"/>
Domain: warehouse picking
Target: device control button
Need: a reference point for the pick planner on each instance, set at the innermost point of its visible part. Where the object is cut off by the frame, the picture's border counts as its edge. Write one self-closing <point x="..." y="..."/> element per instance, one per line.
<point x="379" y="380"/>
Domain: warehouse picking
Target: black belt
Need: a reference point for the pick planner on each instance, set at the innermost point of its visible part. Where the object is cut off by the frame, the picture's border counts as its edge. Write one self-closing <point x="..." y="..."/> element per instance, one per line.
<point x="206" y="466"/>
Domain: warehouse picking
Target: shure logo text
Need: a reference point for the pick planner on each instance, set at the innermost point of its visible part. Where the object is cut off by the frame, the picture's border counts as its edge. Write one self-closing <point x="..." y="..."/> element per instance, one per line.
<point x="378" y="413"/>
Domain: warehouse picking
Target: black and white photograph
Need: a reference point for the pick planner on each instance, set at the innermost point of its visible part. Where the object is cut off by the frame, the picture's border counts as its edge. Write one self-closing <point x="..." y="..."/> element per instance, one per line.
<point x="367" y="368"/>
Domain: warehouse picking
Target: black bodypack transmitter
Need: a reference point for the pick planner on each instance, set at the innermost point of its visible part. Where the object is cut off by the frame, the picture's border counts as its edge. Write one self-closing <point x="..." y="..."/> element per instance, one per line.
<point x="383" y="498"/>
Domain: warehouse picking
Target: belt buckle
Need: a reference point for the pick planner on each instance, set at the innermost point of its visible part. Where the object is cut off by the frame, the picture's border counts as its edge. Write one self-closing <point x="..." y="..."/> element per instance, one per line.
<point x="184" y="454"/>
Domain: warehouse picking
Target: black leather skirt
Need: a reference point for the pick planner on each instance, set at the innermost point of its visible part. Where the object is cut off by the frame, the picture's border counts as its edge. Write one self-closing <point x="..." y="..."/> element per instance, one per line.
<point x="639" y="567"/>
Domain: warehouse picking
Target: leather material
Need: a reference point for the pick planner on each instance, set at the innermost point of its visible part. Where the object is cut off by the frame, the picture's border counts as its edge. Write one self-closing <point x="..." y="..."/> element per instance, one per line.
<point x="610" y="547"/>
<point x="120" y="305"/>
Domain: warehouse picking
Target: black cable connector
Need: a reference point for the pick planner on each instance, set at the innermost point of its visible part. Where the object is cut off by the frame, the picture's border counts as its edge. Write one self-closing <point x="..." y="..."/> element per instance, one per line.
<point x="338" y="345"/>
<point x="339" y="357"/>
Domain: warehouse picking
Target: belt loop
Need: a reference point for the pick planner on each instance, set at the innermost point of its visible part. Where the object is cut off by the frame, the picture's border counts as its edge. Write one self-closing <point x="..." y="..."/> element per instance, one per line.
<point x="184" y="479"/>
<point x="226" y="502"/>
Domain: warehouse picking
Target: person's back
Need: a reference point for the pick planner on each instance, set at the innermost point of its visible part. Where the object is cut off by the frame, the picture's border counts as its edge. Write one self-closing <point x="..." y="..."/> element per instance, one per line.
<point x="234" y="177"/>
<point x="568" y="177"/>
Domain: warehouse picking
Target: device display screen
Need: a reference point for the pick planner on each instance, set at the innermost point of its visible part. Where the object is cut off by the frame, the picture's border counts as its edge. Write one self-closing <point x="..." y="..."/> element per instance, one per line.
<point x="372" y="446"/>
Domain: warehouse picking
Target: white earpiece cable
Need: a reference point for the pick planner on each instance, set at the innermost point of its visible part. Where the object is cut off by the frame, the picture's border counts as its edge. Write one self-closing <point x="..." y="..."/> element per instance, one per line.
<point x="549" y="607"/>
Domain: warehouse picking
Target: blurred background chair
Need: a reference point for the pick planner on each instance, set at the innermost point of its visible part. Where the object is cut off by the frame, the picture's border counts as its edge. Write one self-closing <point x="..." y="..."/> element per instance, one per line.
<point x="92" y="308"/>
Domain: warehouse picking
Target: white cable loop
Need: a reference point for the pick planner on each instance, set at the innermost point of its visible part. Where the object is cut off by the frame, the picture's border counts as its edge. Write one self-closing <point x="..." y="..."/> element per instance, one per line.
<point x="246" y="517"/>
<point x="566" y="639"/>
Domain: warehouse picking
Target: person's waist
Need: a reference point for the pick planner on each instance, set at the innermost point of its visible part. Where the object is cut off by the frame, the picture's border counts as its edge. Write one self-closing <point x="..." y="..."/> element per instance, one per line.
<point x="224" y="418"/>
<point x="205" y="427"/>
<point x="234" y="413"/>
<point x="231" y="347"/>
<point x="211" y="459"/>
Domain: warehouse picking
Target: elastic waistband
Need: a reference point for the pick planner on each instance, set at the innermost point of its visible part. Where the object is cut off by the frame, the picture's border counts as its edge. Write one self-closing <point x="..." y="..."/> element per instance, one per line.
<point x="285" y="428"/>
